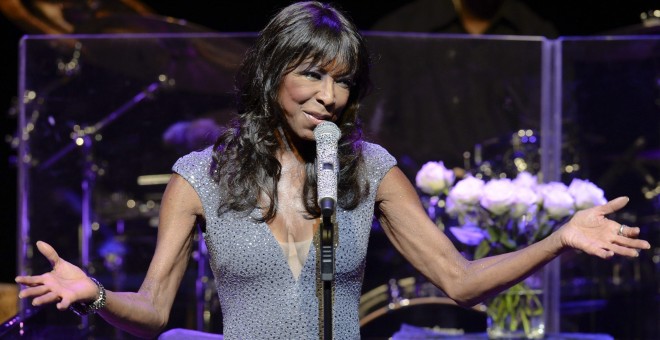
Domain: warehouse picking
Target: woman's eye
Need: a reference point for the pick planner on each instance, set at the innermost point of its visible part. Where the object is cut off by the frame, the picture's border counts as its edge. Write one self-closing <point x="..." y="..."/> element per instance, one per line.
<point x="345" y="82"/>
<point x="312" y="74"/>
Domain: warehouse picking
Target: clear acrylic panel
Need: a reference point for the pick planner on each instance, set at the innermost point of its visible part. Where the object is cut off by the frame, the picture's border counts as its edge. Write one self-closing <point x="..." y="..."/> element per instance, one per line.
<point x="609" y="95"/>
<point x="438" y="96"/>
<point x="103" y="120"/>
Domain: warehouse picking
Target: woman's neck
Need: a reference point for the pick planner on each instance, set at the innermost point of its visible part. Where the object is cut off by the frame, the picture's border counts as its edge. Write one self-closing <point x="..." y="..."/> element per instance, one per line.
<point x="295" y="148"/>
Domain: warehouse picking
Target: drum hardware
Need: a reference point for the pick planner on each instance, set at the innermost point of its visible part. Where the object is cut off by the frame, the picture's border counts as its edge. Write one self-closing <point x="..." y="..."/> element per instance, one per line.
<point x="82" y="139"/>
<point x="113" y="252"/>
<point x="641" y="162"/>
<point x="403" y="300"/>
<point x="514" y="153"/>
<point x="187" y="136"/>
<point x="35" y="101"/>
<point x="506" y="156"/>
<point x="652" y="192"/>
<point x="204" y="285"/>
<point x="156" y="179"/>
<point x="651" y="187"/>
<point x="71" y="67"/>
<point x="121" y="207"/>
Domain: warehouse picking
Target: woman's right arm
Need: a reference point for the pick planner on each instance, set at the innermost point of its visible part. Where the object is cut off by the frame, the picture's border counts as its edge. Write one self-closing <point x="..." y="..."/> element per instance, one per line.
<point x="146" y="312"/>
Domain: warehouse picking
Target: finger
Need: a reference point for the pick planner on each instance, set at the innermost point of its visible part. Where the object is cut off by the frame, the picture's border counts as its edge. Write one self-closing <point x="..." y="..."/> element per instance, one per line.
<point x="627" y="236"/>
<point x="628" y="231"/>
<point x="624" y="250"/>
<point x="30" y="281"/>
<point x="49" y="252"/>
<point x="614" y="205"/>
<point x="632" y="243"/>
<point x="32" y="291"/>
<point x="33" y="280"/>
<point x="598" y="249"/>
<point x="49" y="297"/>
<point x="63" y="303"/>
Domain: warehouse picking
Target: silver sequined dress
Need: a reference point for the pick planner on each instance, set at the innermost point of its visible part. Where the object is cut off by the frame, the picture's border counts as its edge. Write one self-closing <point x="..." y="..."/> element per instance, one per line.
<point x="259" y="297"/>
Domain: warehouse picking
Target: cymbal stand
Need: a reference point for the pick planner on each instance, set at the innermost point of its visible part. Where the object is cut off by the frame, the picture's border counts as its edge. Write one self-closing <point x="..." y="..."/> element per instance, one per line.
<point x="83" y="142"/>
<point x="95" y="128"/>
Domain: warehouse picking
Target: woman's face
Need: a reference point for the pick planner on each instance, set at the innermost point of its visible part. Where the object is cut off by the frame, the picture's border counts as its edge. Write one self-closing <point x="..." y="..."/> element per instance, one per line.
<point x="310" y="94"/>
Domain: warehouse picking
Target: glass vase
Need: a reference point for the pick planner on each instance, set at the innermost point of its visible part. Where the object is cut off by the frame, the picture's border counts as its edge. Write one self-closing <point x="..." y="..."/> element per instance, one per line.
<point x="518" y="312"/>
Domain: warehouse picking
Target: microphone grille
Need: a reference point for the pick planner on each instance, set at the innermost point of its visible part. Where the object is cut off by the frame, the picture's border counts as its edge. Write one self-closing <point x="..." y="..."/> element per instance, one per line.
<point x="327" y="130"/>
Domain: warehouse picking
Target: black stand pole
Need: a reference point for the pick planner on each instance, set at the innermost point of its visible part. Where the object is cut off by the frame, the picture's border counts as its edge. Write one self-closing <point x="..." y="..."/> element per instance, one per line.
<point x="327" y="272"/>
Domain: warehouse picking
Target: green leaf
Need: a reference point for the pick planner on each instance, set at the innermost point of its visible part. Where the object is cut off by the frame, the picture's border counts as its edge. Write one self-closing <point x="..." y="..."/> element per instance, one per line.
<point x="482" y="250"/>
<point x="506" y="241"/>
<point x="492" y="232"/>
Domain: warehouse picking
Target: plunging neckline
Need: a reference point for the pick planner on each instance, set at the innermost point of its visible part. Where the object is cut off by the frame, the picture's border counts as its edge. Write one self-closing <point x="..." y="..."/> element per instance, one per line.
<point x="296" y="254"/>
<point x="285" y="255"/>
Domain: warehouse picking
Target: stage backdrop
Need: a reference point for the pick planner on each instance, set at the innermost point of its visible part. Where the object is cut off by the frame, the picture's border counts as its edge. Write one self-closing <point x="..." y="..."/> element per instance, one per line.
<point x="104" y="117"/>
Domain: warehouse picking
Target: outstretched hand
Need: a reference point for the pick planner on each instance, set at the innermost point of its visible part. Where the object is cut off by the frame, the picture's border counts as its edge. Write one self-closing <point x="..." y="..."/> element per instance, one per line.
<point x="63" y="285"/>
<point x="591" y="231"/>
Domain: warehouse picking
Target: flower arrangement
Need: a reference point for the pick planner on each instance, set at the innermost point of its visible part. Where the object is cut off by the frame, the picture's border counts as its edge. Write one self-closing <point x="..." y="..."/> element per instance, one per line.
<point x="501" y="215"/>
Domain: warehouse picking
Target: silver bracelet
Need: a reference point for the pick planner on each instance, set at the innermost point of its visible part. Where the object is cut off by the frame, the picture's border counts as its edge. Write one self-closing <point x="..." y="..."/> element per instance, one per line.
<point x="82" y="309"/>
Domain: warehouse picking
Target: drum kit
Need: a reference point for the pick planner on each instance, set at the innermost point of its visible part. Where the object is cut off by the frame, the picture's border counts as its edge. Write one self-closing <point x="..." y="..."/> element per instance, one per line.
<point x="516" y="152"/>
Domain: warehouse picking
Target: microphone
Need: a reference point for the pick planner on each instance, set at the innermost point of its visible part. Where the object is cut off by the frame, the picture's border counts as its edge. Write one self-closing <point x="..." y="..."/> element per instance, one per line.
<point x="327" y="166"/>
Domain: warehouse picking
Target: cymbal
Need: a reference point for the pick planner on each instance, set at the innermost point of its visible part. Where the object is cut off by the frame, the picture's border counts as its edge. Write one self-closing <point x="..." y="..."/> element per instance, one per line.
<point x="62" y="17"/>
<point x="200" y="64"/>
<point x="138" y="23"/>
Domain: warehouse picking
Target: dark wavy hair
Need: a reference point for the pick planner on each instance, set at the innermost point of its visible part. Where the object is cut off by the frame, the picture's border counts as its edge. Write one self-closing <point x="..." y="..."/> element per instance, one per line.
<point x="244" y="161"/>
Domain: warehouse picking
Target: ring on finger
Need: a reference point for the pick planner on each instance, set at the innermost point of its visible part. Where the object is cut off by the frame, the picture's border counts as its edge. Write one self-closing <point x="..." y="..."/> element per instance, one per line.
<point x="620" y="233"/>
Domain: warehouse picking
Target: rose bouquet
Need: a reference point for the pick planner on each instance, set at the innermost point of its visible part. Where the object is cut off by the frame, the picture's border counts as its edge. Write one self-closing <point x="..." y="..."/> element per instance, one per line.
<point x="502" y="215"/>
<point x="499" y="216"/>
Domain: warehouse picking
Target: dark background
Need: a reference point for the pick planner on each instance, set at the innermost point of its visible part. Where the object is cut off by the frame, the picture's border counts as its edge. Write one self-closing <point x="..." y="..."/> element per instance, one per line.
<point x="572" y="18"/>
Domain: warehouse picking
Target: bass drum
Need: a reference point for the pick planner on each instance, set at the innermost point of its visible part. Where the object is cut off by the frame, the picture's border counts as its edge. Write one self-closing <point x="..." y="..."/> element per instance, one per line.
<point x="392" y="307"/>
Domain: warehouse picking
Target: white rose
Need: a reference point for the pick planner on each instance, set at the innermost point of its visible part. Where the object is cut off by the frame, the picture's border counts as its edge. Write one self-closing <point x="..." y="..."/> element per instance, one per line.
<point x="525" y="179"/>
<point x="586" y="194"/>
<point x="498" y="195"/>
<point x="467" y="191"/>
<point x="434" y="178"/>
<point x="557" y="201"/>
<point x="454" y="209"/>
<point x="525" y="201"/>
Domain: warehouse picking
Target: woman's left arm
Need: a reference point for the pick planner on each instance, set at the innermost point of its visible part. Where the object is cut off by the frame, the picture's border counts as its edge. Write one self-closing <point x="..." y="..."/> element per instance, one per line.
<point x="428" y="249"/>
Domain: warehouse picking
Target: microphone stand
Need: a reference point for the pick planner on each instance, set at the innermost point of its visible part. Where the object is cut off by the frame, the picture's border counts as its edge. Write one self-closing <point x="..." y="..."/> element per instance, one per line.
<point x="327" y="270"/>
<point x="327" y="169"/>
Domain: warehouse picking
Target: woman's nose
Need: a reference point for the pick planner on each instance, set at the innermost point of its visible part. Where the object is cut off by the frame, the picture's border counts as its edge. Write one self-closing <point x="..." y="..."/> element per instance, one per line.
<point x="326" y="93"/>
